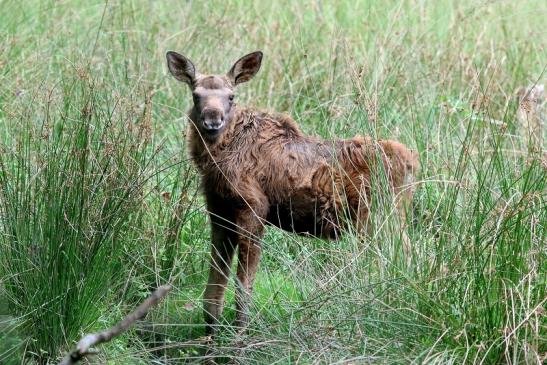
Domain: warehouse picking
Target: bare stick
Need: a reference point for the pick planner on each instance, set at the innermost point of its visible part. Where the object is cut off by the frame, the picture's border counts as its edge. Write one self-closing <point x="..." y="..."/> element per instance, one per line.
<point x="84" y="346"/>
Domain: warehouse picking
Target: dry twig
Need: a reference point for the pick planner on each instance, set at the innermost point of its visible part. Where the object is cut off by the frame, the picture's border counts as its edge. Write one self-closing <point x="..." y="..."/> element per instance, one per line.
<point x="84" y="347"/>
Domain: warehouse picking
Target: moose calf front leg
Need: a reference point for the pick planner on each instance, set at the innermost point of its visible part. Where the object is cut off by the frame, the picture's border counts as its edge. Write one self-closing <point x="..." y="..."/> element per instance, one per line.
<point x="221" y="258"/>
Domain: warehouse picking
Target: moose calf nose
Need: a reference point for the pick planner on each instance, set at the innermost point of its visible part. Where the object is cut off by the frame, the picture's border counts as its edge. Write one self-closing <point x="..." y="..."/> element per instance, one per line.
<point x="213" y="124"/>
<point x="212" y="119"/>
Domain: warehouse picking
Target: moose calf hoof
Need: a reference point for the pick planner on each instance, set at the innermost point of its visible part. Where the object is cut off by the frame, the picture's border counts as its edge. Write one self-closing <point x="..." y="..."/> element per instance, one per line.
<point x="209" y="351"/>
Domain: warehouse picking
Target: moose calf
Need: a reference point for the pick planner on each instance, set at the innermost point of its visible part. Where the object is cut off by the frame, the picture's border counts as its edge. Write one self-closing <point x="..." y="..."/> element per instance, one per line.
<point x="259" y="168"/>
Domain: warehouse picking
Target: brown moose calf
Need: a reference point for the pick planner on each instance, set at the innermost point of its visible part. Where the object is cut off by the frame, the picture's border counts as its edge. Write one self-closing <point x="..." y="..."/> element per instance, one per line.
<point x="259" y="168"/>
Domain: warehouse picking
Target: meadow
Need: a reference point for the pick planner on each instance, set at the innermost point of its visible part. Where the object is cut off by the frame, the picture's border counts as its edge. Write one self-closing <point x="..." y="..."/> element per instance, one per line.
<point x="99" y="203"/>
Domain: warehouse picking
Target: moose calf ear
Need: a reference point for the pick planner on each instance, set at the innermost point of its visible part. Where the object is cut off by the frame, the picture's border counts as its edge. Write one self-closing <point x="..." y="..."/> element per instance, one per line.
<point x="181" y="67"/>
<point x="245" y="68"/>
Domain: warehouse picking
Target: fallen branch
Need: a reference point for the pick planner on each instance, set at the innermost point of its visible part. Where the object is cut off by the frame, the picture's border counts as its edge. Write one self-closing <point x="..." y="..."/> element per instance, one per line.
<point x="84" y="347"/>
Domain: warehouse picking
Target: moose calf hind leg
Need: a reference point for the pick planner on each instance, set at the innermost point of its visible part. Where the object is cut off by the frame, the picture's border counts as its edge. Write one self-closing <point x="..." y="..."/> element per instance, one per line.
<point x="249" y="257"/>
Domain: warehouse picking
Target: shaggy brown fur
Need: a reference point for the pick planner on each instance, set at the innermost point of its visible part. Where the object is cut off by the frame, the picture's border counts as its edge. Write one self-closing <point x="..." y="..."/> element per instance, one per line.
<point x="261" y="169"/>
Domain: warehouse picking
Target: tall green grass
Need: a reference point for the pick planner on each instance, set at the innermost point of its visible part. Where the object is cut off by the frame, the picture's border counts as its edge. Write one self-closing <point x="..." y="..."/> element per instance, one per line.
<point x="70" y="181"/>
<point x="99" y="202"/>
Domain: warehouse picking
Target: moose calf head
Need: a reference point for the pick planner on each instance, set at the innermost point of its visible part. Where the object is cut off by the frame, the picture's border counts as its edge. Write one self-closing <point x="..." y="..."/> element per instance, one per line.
<point x="213" y="94"/>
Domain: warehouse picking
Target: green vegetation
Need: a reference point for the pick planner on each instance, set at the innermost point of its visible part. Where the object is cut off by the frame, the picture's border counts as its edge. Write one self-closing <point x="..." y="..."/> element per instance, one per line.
<point x="99" y="204"/>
